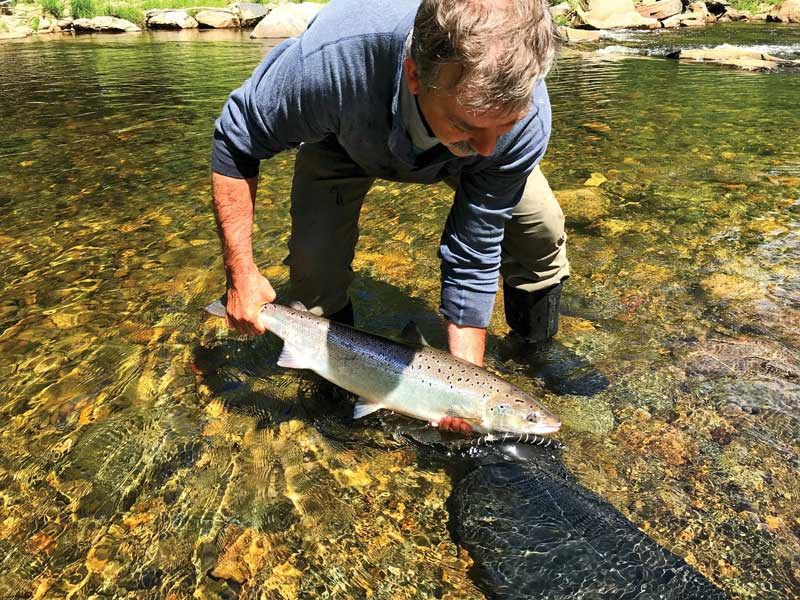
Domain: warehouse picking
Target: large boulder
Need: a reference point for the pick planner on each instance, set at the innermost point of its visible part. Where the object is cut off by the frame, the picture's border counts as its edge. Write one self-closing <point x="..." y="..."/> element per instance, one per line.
<point x="563" y="11"/>
<point x="574" y="36"/>
<point x="787" y="11"/>
<point x="111" y="24"/>
<point x="738" y="15"/>
<point x="249" y="13"/>
<point x="662" y="9"/>
<point x="216" y="18"/>
<point x="614" y="14"/>
<point x="170" y="19"/>
<point x="286" y="20"/>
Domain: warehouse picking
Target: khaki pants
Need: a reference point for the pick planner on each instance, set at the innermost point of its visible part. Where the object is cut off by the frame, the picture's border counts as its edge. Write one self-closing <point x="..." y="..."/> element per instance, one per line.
<point x="327" y="192"/>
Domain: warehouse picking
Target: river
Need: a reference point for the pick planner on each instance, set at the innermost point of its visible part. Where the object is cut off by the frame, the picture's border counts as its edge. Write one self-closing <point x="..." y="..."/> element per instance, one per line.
<point x="147" y="452"/>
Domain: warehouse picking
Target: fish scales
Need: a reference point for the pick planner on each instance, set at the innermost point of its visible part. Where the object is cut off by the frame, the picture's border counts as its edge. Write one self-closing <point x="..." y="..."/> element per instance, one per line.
<point x="412" y="379"/>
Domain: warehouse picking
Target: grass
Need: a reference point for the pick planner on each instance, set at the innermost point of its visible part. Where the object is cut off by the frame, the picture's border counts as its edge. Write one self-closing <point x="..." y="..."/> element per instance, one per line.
<point x="752" y="5"/>
<point x="53" y="8"/>
<point x="82" y="9"/>
<point x="123" y="10"/>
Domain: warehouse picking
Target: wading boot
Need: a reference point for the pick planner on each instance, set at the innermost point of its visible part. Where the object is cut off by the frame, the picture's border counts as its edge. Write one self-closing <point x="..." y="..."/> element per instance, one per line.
<point x="533" y="315"/>
<point x="344" y="316"/>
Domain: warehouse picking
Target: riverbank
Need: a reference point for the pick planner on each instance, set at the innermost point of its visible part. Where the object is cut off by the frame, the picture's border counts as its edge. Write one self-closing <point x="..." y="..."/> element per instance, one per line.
<point x="275" y="19"/>
<point x="579" y="22"/>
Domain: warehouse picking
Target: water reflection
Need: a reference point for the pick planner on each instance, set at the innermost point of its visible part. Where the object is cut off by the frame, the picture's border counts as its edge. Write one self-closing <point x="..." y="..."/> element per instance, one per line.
<point x="146" y="450"/>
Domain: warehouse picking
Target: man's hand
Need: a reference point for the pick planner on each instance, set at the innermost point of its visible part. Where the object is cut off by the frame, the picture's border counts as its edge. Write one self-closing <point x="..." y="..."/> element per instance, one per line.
<point x="248" y="290"/>
<point x="466" y="343"/>
<point x="245" y="302"/>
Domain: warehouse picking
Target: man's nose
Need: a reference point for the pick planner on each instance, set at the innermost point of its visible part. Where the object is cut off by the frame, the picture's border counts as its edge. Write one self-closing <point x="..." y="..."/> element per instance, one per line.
<point x="484" y="142"/>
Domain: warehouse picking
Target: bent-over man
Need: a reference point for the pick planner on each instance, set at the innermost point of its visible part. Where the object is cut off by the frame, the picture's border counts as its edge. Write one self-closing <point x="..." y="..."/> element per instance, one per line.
<point x="442" y="90"/>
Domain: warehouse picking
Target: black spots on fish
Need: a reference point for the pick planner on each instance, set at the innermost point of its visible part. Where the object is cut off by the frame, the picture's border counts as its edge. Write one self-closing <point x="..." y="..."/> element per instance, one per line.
<point x="519" y="401"/>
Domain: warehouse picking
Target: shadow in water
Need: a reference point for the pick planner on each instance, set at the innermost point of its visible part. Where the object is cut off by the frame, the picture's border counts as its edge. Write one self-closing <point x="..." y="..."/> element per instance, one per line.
<point x="534" y="532"/>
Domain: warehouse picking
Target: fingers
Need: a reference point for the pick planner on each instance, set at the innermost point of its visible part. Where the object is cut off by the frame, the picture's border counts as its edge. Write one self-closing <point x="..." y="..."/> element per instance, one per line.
<point x="244" y="304"/>
<point x="454" y="424"/>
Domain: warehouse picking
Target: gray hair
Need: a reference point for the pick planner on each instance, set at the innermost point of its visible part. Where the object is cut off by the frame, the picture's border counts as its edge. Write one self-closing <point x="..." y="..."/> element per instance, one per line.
<point x="503" y="47"/>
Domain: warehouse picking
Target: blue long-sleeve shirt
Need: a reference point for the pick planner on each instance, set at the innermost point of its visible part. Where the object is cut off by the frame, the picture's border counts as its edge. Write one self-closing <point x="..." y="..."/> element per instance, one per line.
<point x="342" y="78"/>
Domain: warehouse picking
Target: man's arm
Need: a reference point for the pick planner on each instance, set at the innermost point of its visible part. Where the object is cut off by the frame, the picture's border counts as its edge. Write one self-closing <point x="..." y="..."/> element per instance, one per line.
<point x="466" y="343"/>
<point x="248" y="290"/>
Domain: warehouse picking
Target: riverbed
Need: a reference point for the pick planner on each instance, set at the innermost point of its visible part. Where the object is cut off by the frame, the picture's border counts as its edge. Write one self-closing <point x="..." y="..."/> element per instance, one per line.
<point x="147" y="451"/>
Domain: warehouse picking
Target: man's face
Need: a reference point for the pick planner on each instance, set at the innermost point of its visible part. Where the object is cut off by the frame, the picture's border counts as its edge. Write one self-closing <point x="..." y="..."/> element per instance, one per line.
<point x="462" y="131"/>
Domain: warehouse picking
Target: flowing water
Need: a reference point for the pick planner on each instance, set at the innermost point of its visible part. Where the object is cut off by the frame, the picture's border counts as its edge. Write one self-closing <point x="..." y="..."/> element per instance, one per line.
<point x="146" y="452"/>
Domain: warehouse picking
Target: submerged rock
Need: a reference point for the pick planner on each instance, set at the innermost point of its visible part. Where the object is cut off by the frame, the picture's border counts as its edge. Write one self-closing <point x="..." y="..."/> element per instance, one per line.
<point x="750" y="60"/>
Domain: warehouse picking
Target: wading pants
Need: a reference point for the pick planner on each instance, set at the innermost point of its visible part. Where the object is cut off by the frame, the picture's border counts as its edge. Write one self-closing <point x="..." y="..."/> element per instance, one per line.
<point x="327" y="192"/>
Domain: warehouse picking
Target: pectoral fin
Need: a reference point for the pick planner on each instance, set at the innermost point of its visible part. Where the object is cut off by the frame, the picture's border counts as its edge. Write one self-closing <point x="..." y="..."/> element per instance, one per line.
<point x="292" y="359"/>
<point x="454" y="413"/>
<point x="364" y="407"/>
<point x="412" y="334"/>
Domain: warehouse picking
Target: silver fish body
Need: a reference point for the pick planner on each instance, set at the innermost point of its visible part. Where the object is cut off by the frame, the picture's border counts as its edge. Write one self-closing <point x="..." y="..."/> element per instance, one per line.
<point x="412" y="379"/>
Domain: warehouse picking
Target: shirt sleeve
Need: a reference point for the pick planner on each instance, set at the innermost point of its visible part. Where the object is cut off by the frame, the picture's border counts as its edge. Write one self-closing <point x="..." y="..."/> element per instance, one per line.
<point x="281" y="105"/>
<point x="470" y="245"/>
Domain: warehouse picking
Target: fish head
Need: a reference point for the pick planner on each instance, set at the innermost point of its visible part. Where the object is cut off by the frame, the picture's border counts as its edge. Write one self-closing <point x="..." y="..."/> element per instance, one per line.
<point x="514" y="411"/>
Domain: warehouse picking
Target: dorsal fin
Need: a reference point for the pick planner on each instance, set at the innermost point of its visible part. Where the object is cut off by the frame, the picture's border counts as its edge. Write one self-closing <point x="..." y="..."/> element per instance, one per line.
<point x="412" y="334"/>
<point x="297" y="305"/>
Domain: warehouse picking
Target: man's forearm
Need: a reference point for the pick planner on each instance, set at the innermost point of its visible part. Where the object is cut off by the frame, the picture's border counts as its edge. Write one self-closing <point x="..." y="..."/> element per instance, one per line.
<point x="466" y="343"/>
<point x="234" y="202"/>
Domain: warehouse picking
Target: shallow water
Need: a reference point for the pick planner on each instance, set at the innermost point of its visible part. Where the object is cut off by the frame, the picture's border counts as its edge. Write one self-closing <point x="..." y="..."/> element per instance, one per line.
<point x="145" y="450"/>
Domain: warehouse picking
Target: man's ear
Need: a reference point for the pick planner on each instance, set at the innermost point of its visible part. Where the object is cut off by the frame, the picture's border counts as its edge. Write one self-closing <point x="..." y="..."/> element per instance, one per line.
<point x="410" y="70"/>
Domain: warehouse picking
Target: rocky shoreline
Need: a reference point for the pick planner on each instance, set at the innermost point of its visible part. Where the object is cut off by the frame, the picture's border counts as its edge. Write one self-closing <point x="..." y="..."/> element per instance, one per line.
<point x="581" y="25"/>
<point x="267" y="20"/>
<point x="578" y="23"/>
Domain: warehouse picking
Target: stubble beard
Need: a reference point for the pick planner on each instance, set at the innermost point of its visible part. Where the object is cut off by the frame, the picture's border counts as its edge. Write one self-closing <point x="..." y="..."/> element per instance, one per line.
<point x="461" y="149"/>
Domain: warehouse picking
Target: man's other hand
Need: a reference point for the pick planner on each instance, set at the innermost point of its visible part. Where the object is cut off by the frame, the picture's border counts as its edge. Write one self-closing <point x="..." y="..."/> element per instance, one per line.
<point x="455" y="425"/>
<point x="245" y="301"/>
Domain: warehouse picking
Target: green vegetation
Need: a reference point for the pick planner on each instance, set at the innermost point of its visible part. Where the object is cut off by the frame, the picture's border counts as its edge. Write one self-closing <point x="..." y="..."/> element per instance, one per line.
<point x="182" y="4"/>
<point x="53" y="8"/>
<point x="132" y="12"/>
<point x="82" y="9"/>
<point x="35" y="23"/>
<point x="752" y="5"/>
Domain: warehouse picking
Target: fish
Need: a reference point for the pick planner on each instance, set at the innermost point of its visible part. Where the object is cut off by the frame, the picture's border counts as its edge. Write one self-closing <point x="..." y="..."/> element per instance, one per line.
<point x="408" y="377"/>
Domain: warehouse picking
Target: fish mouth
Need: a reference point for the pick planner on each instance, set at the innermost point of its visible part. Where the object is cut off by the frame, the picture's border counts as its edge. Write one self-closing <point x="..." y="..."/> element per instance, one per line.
<point x="546" y="428"/>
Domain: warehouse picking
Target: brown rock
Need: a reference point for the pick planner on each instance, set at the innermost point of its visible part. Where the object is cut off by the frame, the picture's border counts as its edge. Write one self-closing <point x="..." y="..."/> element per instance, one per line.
<point x="111" y="24"/>
<point x="787" y="11"/>
<point x="614" y="14"/>
<point x="662" y="9"/>
<point x="286" y="20"/>
<point x="170" y="19"/>
<point x="573" y="36"/>
<point x="738" y="15"/>
<point x="216" y="18"/>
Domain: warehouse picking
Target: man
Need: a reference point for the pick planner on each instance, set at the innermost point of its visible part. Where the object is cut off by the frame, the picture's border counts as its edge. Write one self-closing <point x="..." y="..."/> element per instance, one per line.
<point x="447" y="90"/>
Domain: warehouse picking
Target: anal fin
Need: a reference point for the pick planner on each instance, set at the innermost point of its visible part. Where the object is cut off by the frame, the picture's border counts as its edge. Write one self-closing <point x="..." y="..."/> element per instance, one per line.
<point x="292" y="359"/>
<point x="364" y="407"/>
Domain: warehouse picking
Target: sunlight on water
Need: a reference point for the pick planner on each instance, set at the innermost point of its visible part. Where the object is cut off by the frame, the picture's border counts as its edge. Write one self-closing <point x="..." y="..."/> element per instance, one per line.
<point x="145" y="450"/>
